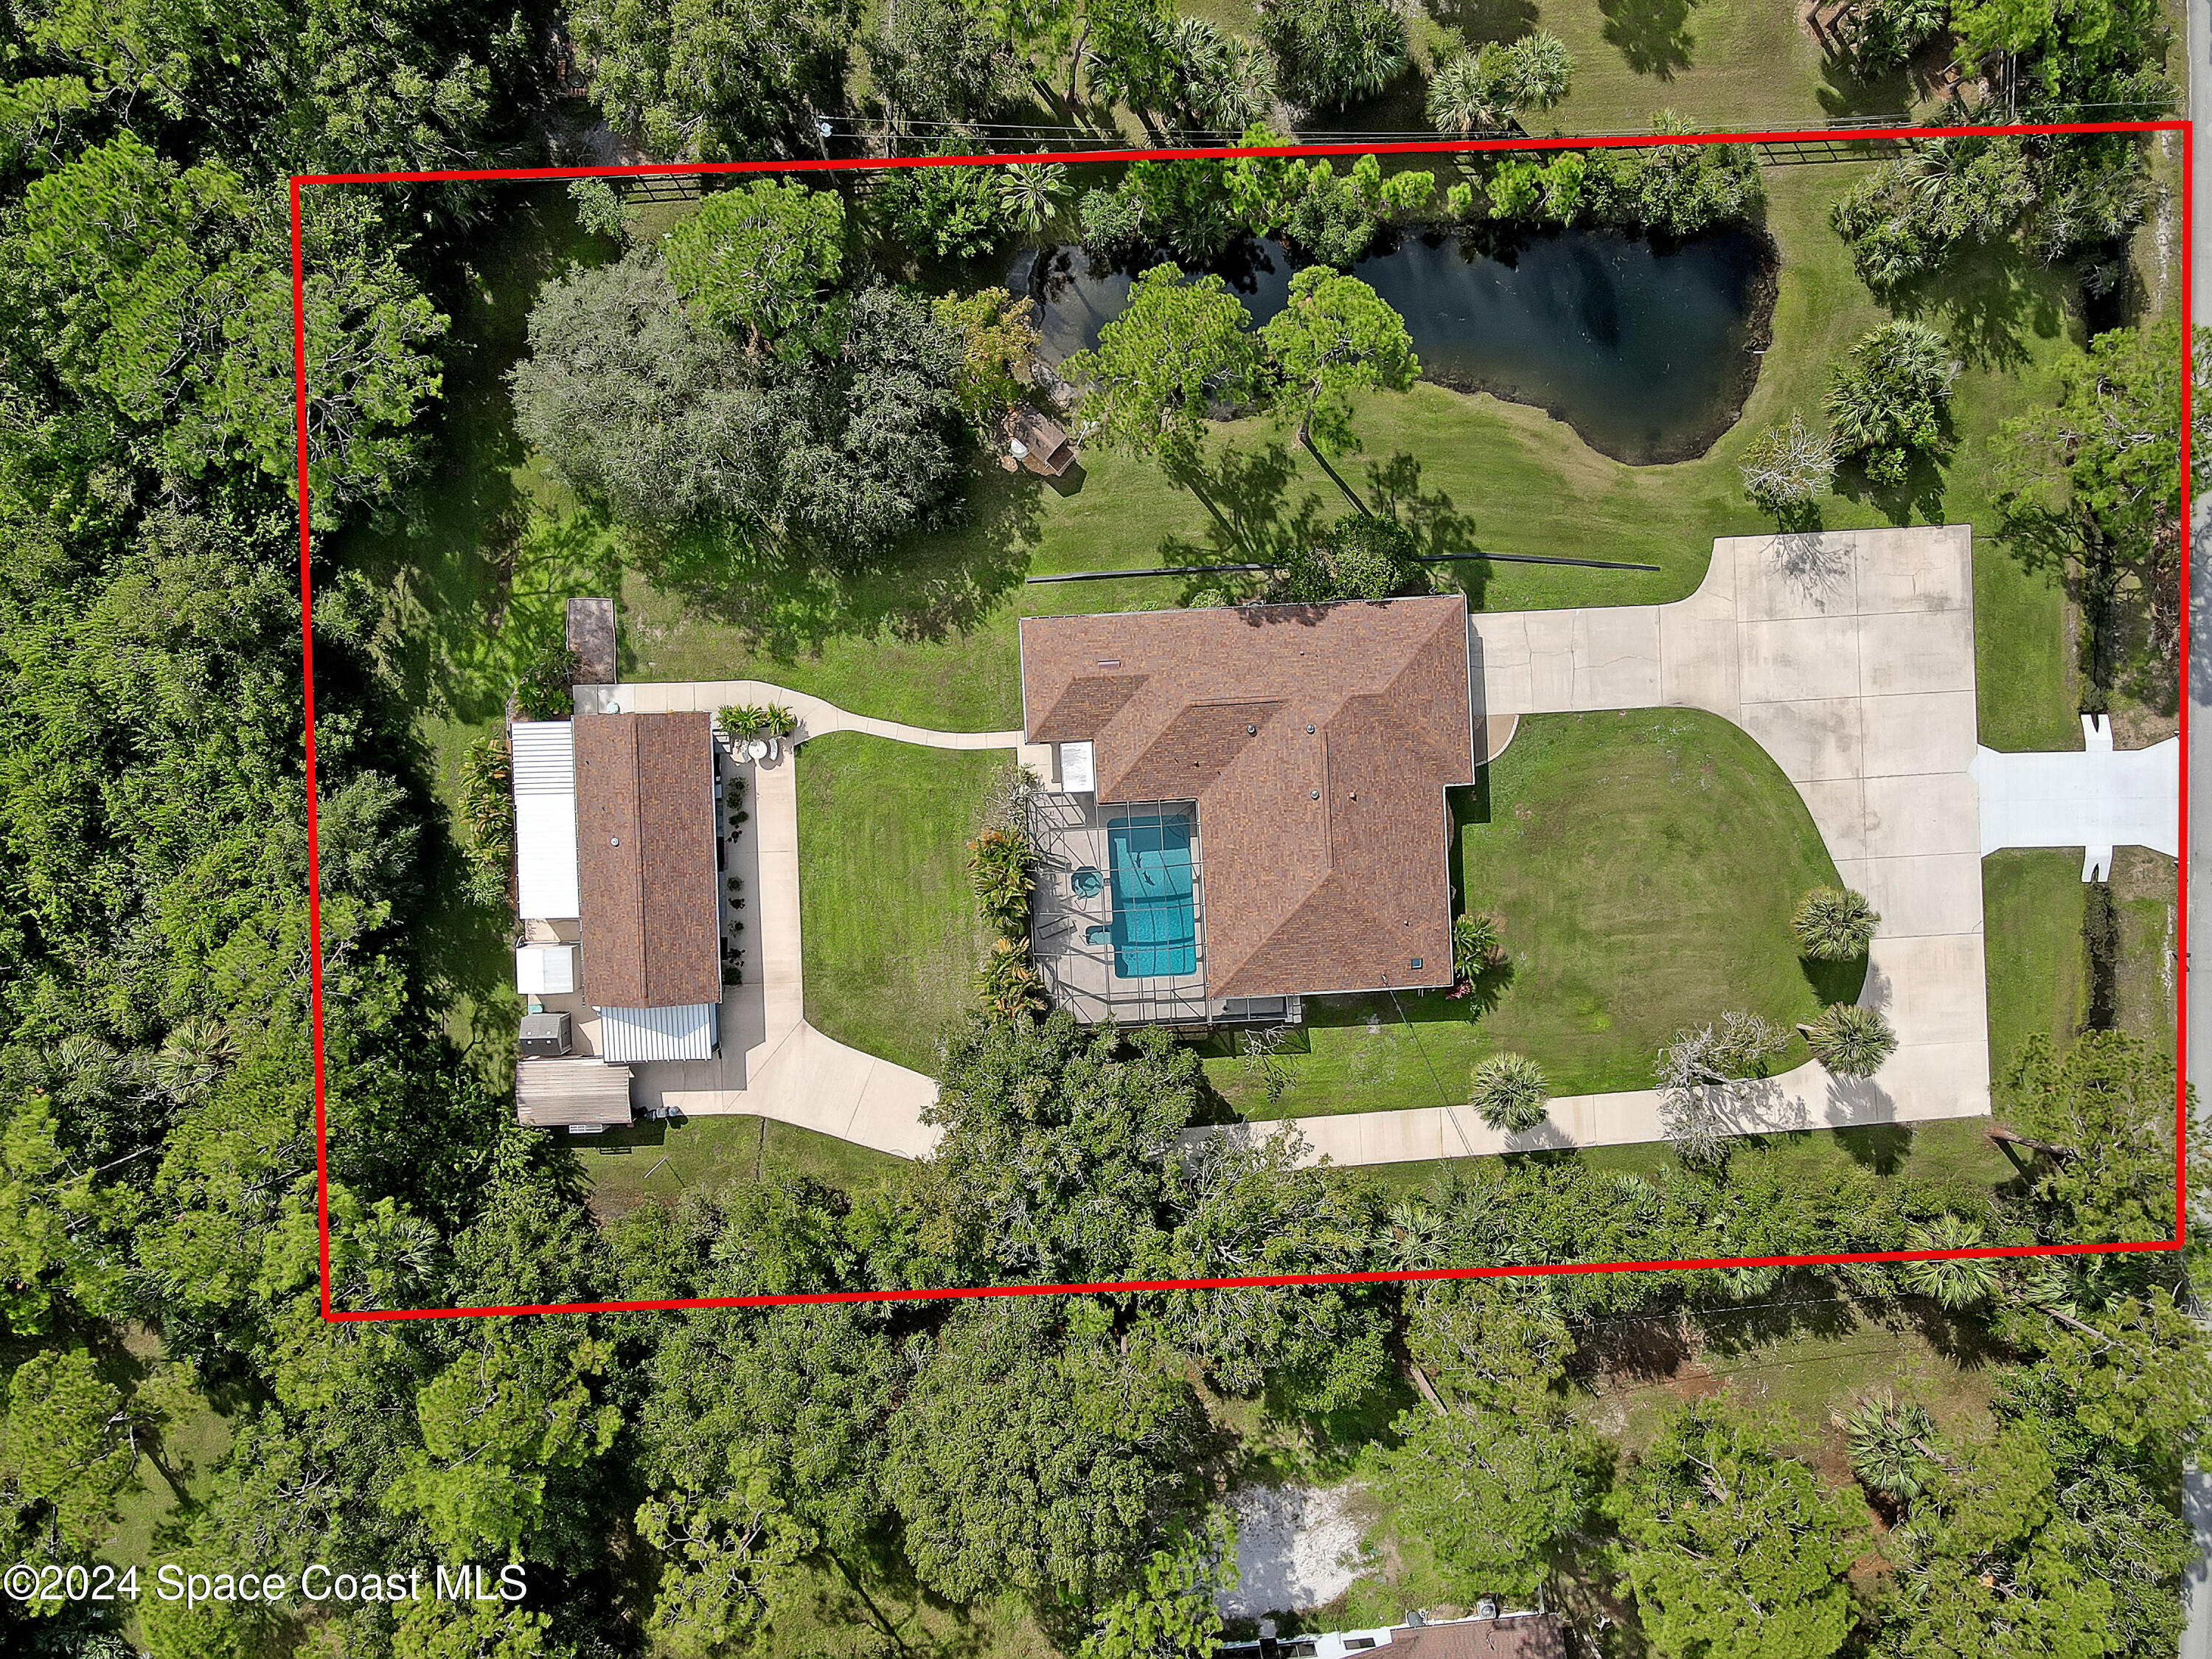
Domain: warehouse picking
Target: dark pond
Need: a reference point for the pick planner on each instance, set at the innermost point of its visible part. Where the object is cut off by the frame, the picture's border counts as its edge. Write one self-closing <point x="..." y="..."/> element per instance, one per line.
<point x="1648" y="353"/>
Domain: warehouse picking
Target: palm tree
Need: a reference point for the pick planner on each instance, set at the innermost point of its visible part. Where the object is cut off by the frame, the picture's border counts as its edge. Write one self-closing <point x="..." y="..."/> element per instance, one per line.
<point x="1931" y="171"/>
<point x="1834" y="924"/>
<point x="1892" y="1449"/>
<point x="1887" y="400"/>
<point x="1535" y="70"/>
<point x="1226" y="83"/>
<point x="1961" y="1282"/>
<point x="1509" y="1092"/>
<point x="1850" y="1039"/>
<point x="1475" y="945"/>
<point x="1031" y="193"/>
<point x="1415" y="1230"/>
<point x="1464" y="99"/>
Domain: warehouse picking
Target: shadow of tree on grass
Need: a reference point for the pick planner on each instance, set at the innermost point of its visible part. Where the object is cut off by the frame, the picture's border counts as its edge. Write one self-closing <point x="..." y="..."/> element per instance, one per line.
<point x="1248" y="492"/>
<point x="787" y="600"/>
<point x="1265" y="511"/>
<point x="1652" y="36"/>
<point x="1986" y="301"/>
<point x="1478" y="22"/>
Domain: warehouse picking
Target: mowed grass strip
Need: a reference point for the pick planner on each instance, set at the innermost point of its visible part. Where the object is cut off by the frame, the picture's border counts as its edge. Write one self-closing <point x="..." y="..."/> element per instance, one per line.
<point x="891" y="932"/>
<point x="1645" y="866"/>
<point x="2031" y="900"/>
<point x="662" y="1158"/>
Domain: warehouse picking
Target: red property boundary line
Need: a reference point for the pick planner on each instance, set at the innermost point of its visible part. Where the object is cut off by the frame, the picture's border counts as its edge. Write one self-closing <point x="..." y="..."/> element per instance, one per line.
<point x="1436" y="147"/>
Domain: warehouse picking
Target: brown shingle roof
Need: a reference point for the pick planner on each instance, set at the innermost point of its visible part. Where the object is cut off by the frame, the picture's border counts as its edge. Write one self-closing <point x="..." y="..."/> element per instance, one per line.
<point x="645" y="851"/>
<point x="1323" y="853"/>
<point x="1517" y="1636"/>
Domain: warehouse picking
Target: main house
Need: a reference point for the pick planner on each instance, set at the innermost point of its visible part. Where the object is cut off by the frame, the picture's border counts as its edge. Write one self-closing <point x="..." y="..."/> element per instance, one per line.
<point x="618" y="882"/>
<point x="1247" y="804"/>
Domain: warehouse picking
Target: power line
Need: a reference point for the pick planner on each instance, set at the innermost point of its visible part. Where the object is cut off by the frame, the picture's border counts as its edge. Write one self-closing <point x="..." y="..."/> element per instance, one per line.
<point x="1426" y="558"/>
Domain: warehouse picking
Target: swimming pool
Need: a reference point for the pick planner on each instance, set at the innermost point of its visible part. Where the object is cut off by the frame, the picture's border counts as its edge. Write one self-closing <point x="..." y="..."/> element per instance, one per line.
<point x="1155" y="911"/>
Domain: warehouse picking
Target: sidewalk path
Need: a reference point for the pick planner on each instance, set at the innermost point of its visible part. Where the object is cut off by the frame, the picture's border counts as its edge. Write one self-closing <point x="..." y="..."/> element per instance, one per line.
<point x="817" y="715"/>
<point x="1806" y="1098"/>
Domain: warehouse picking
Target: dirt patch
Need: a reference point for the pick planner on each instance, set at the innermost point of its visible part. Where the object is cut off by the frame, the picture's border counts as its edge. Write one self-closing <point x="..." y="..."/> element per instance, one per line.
<point x="1812" y="1360"/>
<point x="2135" y="726"/>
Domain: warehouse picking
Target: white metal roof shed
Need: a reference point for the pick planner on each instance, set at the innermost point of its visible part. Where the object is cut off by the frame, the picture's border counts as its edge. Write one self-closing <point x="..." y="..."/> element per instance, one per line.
<point x="545" y="818"/>
<point x="633" y="1036"/>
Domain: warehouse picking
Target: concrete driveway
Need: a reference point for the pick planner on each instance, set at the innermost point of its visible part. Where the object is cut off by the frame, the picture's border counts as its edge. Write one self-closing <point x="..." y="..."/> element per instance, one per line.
<point x="773" y="1063"/>
<point x="1849" y="658"/>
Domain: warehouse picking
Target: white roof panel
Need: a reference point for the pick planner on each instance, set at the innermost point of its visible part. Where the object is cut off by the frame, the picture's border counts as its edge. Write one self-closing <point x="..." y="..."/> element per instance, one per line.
<point x="545" y="969"/>
<point x="632" y="1036"/>
<point x="545" y="818"/>
<point x="1077" y="776"/>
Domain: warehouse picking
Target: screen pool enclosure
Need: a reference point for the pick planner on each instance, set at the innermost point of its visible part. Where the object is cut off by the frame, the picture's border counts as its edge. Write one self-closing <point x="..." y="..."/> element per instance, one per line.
<point x="1117" y="915"/>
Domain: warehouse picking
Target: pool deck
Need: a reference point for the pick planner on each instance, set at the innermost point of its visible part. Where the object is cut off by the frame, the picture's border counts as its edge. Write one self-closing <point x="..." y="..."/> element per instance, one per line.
<point x="1079" y="975"/>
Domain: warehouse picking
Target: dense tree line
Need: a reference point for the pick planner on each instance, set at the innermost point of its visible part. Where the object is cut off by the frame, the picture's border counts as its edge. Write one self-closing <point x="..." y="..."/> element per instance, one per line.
<point x="683" y="1477"/>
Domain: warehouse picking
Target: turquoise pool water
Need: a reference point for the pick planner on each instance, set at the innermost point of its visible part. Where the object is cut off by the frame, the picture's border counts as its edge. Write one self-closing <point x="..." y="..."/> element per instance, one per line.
<point x="1155" y="914"/>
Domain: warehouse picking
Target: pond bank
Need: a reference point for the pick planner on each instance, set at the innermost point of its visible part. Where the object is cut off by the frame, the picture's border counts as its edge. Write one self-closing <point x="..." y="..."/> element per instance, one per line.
<point x="1649" y="350"/>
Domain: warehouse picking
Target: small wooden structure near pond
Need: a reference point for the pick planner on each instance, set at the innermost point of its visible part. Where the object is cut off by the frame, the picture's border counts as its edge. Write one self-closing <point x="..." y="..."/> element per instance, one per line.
<point x="1036" y="443"/>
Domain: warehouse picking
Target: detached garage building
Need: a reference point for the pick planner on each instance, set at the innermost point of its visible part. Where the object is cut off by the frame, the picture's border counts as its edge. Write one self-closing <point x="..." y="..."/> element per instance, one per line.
<point x="615" y="849"/>
<point x="648" y="880"/>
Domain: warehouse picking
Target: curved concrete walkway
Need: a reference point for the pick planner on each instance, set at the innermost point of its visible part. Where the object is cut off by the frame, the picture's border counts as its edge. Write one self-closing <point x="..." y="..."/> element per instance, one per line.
<point x="773" y="1063"/>
<point x="817" y="715"/>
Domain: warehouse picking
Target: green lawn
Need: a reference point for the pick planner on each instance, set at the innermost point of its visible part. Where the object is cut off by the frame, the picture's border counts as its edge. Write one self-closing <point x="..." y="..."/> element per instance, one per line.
<point x="930" y="638"/>
<point x="489" y="547"/>
<point x="2144" y="892"/>
<point x="2034" y="904"/>
<point x="891" y="935"/>
<point x="1645" y="866"/>
<point x="1744" y="64"/>
<point x="2032" y="901"/>
<point x="664" y="1158"/>
<point x="1811" y="1369"/>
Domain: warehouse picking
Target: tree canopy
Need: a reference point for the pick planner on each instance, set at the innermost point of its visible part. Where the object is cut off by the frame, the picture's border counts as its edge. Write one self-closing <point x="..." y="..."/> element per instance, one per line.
<point x="1335" y="337"/>
<point x="758" y="258"/>
<point x="1329" y="53"/>
<point x="715" y="80"/>
<point x="1180" y="348"/>
<point x="1734" y="1548"/>
<point x="677" y="427"/>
